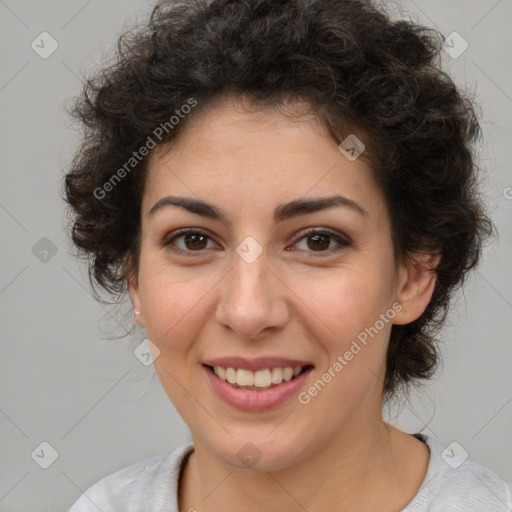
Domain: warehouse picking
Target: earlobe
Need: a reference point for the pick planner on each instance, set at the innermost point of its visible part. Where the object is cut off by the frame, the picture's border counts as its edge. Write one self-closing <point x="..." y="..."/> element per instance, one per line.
<point x="416" y="286"/>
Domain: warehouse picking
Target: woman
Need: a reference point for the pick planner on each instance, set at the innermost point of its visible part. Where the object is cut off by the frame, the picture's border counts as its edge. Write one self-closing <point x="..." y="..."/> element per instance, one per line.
<point x="286" y="190"/>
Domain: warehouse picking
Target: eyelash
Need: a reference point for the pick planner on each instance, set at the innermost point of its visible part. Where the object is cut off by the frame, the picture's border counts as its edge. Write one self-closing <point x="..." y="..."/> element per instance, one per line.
<point x="343" y="242"/>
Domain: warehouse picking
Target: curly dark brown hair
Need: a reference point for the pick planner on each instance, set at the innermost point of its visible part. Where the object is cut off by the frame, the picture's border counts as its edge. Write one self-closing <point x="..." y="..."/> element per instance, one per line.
<point x="359" y="70"/>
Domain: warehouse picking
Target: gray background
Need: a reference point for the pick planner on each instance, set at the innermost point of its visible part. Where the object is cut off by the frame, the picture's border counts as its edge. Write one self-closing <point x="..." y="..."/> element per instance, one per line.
<point x="99" y="408"/>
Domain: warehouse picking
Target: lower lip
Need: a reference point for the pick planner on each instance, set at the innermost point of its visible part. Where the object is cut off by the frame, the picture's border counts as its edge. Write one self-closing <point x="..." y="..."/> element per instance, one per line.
<point x="253" y="401"/>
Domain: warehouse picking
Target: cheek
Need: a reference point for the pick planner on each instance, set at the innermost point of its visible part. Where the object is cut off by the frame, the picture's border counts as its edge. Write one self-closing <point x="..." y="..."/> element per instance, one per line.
<point x="345" y="318"/>
<point x="172" y="305"/>
<point x="344" y="302"/>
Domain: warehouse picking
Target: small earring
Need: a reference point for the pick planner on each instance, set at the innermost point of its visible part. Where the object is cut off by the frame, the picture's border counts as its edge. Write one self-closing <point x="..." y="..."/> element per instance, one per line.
<point x="136" y="312"/>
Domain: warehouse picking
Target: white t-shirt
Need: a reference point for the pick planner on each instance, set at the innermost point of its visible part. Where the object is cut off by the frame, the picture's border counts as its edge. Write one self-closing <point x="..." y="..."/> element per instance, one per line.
<point x="151" y="485"/>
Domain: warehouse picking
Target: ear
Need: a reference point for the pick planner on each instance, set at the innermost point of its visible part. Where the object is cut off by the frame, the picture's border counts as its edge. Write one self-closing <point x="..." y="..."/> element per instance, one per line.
<point x="133" y="290"/>
<point x="416" y="282"/>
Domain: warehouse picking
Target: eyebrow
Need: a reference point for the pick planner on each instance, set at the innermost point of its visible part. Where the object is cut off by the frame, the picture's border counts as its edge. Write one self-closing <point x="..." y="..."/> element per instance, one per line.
<point x="281" y="213"/>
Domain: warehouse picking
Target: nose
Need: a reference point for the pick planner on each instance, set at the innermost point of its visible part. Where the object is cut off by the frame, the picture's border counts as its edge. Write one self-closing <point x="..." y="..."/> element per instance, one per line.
<point x="252" y="300"/>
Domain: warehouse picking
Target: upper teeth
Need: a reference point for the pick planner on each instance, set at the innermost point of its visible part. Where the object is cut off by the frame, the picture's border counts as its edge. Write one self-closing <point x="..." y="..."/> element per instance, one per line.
<point x="260" y="378"/>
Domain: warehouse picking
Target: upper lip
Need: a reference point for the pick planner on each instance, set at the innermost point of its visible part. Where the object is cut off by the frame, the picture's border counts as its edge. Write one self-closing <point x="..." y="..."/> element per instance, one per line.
<point x="259" y="363"/>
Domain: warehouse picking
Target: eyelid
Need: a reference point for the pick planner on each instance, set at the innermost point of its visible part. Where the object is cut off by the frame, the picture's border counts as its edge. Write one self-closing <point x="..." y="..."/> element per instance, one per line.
<point x="321" y="230"/>
<point x="342" y="240"/>
<point x="167" y="240"/>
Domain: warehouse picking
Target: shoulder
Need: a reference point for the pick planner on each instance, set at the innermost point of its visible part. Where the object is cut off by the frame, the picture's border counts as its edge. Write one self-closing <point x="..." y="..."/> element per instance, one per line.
<point x="150" y="482"/>
<point x="456" y="483"/>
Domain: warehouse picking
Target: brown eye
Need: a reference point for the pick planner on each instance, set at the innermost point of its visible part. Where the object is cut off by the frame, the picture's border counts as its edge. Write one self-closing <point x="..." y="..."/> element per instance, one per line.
<point x="195" y="241"/>
<point x="188" y="241"/>
<point x="318" y="242"/>
<point x="321" y="241"/>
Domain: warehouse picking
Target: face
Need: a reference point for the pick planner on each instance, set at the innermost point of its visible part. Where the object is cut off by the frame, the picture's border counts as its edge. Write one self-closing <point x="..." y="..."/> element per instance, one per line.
<point x="248" y="283"/>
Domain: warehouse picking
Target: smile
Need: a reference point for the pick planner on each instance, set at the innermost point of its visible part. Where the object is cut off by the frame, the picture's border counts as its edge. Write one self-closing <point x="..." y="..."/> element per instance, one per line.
<point x="266" y="378"/>
<point x="266" y="386"/>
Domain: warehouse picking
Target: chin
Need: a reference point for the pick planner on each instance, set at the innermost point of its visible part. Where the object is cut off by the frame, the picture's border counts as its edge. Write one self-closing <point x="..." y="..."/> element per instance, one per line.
<point x="258" y="452"/>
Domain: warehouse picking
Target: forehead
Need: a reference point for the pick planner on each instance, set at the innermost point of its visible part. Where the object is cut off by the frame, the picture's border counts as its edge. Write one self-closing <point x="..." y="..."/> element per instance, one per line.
<point x="228" y="153"/>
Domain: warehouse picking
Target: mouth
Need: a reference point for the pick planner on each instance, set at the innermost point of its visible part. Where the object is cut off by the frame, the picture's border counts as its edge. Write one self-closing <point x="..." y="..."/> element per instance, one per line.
<point x="259" y="380"/>
<point x="257" y="385"/>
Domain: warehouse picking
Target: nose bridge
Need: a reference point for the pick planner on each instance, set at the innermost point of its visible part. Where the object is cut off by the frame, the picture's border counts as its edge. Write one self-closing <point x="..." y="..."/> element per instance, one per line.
<point x="251" y="300"/>
<point x="250" y="270"/>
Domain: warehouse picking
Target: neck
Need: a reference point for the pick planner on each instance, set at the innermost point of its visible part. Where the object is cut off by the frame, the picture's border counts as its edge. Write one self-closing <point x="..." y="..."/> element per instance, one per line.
<point x="357" y="471"/>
